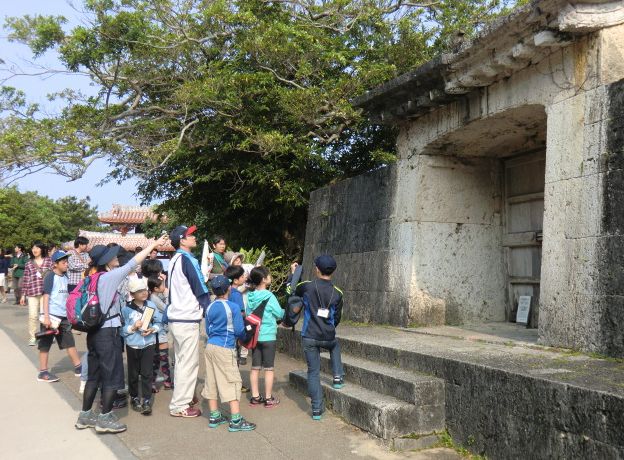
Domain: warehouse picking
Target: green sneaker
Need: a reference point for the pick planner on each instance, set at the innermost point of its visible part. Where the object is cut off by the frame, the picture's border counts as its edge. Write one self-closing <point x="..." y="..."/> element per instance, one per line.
<point x="214" y="422"/>
<point x="241" y="425"/>
<point x="86" y="419"/>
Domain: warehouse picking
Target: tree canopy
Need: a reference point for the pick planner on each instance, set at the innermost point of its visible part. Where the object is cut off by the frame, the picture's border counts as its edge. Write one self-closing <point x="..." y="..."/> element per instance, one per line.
<point x="229" y="111"/>
<point x="28" y="217"/>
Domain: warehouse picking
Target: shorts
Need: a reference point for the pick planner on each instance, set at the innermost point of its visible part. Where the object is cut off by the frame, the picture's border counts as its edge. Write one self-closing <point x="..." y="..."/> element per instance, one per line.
<point x="105" y="359"/>
<point x="64" y="339"/>
<point x="2" y="279"/>
<point x="263" y="356"/>
<point x="222" y="375"/>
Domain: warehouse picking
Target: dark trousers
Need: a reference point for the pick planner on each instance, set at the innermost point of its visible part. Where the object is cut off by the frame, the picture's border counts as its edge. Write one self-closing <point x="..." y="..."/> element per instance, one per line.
<point x="312" y="351"/>
<point x="140" y="365"/>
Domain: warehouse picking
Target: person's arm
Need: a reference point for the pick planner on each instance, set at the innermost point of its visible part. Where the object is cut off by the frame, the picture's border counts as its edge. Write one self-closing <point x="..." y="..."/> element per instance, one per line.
<point x="115" y="277"/>
<point x="275" y="307"/>
<point x="338" y="312"/>
<point x="48" y="286"/>
<point x="239" y="324"/>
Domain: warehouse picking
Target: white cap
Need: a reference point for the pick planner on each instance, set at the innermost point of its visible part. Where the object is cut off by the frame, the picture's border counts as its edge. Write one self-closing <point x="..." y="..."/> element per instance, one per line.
<point x="137" y="284"/>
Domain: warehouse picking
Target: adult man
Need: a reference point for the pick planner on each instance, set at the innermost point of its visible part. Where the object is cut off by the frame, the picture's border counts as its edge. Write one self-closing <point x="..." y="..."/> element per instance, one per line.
<point x="78" y="262"/>
<point x="188" y="299"/>
<point x="18" y="263"/>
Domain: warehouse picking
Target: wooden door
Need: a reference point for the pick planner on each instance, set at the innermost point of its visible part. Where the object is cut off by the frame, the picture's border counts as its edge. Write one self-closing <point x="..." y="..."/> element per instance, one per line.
<point x="522" y="237"/>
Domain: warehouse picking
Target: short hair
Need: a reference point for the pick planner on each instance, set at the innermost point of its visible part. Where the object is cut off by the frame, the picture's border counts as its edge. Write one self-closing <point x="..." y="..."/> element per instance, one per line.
<point x="257" y="275"/>
<point x="44" y="249"/>
<point x="80" y="240"/>
<point x="153" y="250"/>
<point x="151" y="267"/>
<point x="215" y="239"/>
<point x="21" y="247"/>
<point x="154" y="282"/>
<point x="234" y="272"/>
<point x="138" y="249"/>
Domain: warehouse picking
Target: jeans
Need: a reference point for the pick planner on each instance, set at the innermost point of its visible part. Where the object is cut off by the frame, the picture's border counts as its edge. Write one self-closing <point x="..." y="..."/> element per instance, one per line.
<point x="312" y="351"/>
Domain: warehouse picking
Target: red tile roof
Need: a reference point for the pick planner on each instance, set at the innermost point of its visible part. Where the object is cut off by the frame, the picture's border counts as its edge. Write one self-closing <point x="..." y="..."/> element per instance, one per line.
<point x="129" y="241"/>
<point x="121" y="214"/>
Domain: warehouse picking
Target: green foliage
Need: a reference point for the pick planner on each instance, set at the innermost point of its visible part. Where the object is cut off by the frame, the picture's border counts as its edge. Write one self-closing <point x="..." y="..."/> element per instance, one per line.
<point x="231" y="111"/>
<point x="277" y="263"/>
<point x="28" y="217"/>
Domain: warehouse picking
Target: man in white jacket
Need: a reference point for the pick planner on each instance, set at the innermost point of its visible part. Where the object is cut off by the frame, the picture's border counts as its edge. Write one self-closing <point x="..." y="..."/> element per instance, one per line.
<point x="188" y="299"/>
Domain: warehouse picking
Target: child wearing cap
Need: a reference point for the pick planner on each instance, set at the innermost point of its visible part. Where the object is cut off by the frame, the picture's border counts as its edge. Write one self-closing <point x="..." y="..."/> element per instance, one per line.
<point x="224" y="324"/>
<point x="263" y="356"/>
<point x="322" y="303"/>
<point x="140" y="344"/>
<point x="54" y="318"/>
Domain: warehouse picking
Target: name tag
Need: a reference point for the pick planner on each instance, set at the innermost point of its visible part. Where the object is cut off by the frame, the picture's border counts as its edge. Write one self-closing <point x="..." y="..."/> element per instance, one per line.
<point x="323" y="313"/>
<point x="38" y="274"/>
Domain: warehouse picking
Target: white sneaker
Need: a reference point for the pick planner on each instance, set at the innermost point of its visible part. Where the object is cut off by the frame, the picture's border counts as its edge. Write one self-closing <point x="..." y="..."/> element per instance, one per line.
<point x="83" y="384"/>
<point x="32" y="342"/>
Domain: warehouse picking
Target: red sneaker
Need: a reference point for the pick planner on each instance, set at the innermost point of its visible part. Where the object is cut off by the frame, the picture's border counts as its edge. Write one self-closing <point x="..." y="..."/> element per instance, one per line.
<point x="189" y="412"/>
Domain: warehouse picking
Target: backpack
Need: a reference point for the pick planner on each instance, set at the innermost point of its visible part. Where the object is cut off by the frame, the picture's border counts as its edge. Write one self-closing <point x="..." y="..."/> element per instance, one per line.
<point x="83" y="305"/>
<point x="294" y="306"/>
<point x="252" y="326"/>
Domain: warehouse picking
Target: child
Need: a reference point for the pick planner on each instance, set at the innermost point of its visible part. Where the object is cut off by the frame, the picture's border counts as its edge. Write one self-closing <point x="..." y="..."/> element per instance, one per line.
<point x="263" y="356"/>
<point x="322" y="312"/>
<point x="224" y="324"/>
<point x="140" y="344"/>
<point x="157" y="288"/>
<point x="54" y="311"/>
<point x="238" y="278"/>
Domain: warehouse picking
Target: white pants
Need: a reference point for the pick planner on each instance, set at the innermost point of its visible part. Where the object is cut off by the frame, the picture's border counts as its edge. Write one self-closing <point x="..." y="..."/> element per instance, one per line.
<point x="186" y="352"/>
<point x="35" y="306"/>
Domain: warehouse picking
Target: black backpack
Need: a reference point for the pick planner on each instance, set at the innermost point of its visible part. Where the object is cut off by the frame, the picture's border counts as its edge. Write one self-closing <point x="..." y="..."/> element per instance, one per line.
<point x="294" y="305"/>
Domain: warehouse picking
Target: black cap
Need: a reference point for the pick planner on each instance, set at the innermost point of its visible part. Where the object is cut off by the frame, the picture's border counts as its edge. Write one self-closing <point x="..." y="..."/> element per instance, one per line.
<point x="326" y="264"/>
<point x="220" y="285"/>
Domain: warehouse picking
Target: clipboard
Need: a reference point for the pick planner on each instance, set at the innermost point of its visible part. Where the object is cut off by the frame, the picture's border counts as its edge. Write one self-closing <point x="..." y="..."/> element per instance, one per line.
<point x="146" y="318"/>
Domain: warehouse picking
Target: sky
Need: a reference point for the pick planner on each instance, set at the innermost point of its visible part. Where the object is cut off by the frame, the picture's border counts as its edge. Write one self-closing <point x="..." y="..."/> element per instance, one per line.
<point x="36" y="88"/>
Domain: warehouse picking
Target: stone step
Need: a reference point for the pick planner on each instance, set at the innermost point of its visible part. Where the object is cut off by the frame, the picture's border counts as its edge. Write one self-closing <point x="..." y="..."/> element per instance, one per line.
<point x="412" y="387"/>
<point x="381" y="415"/>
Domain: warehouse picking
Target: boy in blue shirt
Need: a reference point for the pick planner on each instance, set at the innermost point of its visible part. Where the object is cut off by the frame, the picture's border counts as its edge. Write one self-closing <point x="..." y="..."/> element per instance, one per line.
<point x="140" y="344"/>
<point x="224" y="325"/>
<point x="237" y="276"/>
<point x="54" y="316"/>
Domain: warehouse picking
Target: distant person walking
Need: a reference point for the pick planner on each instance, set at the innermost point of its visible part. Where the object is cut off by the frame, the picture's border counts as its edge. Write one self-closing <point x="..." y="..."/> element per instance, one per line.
<point x="5" y="263"/>
<point x="78" y="262"/>
<point x="18" y="263"/>
<point x="189" y="298"/>
<point x="32" y="287"/>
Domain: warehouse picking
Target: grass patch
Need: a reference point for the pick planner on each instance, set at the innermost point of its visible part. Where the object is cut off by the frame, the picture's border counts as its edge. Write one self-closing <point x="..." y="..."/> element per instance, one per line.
<point x="447" y="441"/>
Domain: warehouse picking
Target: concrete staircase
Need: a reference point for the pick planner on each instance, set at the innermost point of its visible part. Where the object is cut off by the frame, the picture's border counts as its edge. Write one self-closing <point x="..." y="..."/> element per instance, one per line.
<point x="387" y="401"/>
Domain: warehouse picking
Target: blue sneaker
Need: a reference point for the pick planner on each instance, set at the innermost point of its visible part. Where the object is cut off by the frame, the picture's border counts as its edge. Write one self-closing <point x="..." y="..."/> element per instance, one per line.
<point x="338" y="383"/>
<point x="316" y="414"/>
<point x="78" y="370"/>
<point x="45" y="376"/>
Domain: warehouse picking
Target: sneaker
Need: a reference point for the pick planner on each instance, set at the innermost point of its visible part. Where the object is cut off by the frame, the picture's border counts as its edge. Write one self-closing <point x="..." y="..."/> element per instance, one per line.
<point x="271" y="402"/>
<point x="256" y="401"/>
<point x="338" y="383"/>
<point x="244" y="389"/>
<point x="168" y="385"/>
<point x="241" y="425"/>
<point x="45" y="376"/>
<point x="147" y="407"/>
<point x="78" y="370"/>
<point x="32" y="342"/>
<point x="189" y="412"/>
<point x="83" y="384"/>
<point x="136" y="404"/>
<point x="109" y="423"/>
<point x="242" y="361"/>
<point x="155" y="389"/>
<point x="214" y="422"/>
<point x="316" y="414"/>
<point x="86" y="419"/>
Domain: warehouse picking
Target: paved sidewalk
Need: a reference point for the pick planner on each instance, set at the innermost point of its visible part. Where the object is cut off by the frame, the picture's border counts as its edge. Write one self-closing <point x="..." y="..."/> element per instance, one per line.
<point x="37" y="422"/>
<point x="38" y="418"/>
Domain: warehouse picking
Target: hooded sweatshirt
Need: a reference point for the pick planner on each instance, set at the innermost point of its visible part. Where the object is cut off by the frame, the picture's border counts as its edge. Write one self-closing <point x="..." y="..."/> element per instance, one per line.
<point x="272" y="312"/>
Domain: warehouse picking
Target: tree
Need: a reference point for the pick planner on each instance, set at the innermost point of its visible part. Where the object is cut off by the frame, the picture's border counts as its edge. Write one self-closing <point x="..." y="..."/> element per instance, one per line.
<point x="230" y="111"/>
<point x="28" y="217"/>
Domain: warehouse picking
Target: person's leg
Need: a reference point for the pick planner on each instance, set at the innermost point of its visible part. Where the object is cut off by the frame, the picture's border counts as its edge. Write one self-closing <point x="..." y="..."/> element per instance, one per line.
<point x="254" y="375"/>
<point x="147" y="359"/>
<point x="335" y="358"/>
<point x="73" y="355"/>
<point x="43" y="360"/>
<point x="94" y="374"/>
<point x="84" y="362"/>
<point x="33" y="315"/>
<point x="186" y="340"/>
<point x="133" y="358"/>
<point x="163" y="358"/>
<point x="17" y="291"/>
<point x="313" y="358"/>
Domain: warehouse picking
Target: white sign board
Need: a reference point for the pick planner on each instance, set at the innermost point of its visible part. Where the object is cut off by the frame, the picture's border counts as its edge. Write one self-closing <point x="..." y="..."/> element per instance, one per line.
<point x="524" y="307"/>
